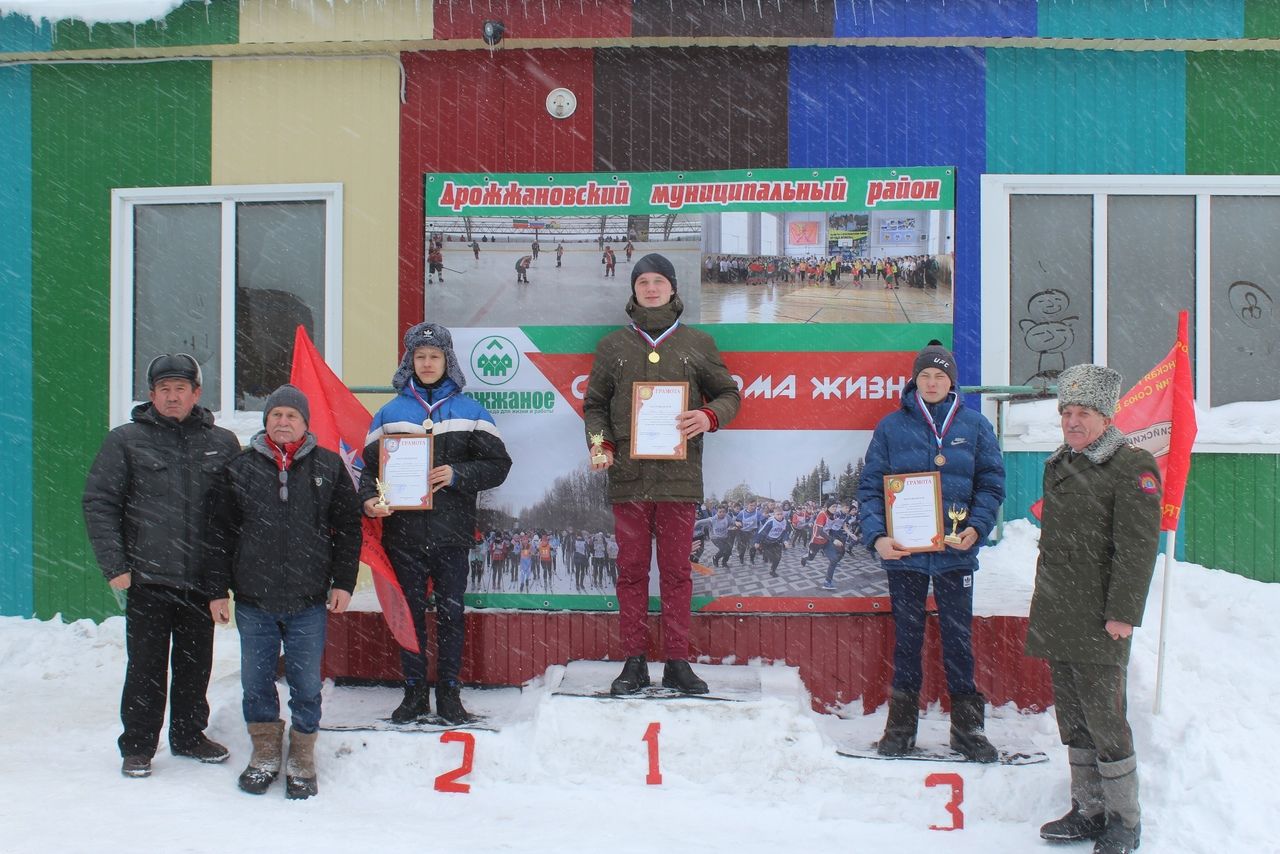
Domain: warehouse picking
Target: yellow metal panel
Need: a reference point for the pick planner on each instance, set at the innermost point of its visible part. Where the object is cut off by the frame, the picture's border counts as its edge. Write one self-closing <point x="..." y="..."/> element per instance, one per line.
<point x="270" y="21"/>
<point x="326" y="120"/>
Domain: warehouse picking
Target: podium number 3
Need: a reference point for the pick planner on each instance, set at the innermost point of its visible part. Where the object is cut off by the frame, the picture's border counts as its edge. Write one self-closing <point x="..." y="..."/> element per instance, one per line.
<point x="956" y="782"/>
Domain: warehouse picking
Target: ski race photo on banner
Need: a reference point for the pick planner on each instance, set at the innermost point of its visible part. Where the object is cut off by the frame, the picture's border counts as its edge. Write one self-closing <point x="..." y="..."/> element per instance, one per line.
<point x="818" y="286"/>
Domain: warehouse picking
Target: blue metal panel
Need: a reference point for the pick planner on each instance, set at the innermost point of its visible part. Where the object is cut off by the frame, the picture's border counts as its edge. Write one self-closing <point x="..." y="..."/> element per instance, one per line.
<point x="901" y="107"/>
<point x="972" y="18"/>
<point x="1066" y="111"/>
<point x="1142" y="19"/>
<point x="16" y="591"/>
<point x="19" y="34"/>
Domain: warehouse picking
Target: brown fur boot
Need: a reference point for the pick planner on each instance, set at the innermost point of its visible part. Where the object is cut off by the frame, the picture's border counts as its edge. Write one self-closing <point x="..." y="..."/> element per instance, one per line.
<point x="264" y="764"/>
<point x="300" y="770"/>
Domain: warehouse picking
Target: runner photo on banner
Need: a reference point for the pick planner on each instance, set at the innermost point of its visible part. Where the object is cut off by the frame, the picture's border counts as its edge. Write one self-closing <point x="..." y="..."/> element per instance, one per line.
<point x="818" y="285"/>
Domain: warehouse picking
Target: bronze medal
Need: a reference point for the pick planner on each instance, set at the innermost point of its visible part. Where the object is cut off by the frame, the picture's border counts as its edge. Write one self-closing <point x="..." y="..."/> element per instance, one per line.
<point x="654" y="357"/>
<point x="940" y="460"/>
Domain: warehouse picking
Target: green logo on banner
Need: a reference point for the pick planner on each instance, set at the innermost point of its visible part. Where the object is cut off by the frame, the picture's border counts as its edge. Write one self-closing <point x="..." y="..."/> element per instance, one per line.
<point x="495" y="360"/>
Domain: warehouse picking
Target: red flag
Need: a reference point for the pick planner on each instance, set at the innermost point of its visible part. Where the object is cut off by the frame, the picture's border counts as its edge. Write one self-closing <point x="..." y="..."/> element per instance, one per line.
<point x="1158" y="415"/>
<point x="340" y="423"/>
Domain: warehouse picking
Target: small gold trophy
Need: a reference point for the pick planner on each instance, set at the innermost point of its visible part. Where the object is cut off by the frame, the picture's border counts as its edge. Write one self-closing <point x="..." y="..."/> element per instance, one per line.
<point x="956" y="515"/>
<point x="598" y="456"/>
<point x="381" y="486"/>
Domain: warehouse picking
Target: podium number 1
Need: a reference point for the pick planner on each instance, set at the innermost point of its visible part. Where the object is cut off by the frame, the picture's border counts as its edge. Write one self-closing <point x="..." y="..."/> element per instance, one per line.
<point x="651" y="736"/>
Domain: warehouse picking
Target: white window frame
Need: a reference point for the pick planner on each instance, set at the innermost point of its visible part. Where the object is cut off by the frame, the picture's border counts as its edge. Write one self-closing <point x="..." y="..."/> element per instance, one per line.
<point x="123" y="202"/>
<point x="997" y="193"/>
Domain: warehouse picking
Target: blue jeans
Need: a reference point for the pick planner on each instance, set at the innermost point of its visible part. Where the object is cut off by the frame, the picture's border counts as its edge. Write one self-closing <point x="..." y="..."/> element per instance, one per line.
<point x="261" y="635"/>
<point x="953" y="594"/>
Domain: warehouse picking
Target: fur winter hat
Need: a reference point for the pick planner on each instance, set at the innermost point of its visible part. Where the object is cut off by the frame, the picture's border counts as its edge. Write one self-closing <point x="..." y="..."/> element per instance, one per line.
<point x="428" y="335"/>
<point x="287" y="395"/>
<point x="654" y="263"/>
<point x="1094" y="386"/>
<point x="936" y="356"/>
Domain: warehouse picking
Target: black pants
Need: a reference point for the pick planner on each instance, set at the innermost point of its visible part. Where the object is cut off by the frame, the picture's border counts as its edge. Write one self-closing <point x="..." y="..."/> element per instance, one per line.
<point x="446" y="566"/>
<point x="155" y="618"/>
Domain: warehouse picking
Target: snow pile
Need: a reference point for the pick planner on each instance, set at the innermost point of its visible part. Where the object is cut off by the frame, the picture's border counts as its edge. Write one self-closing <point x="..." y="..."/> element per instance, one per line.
<point x="568" y="774"/>
<point x="91" y="11"/>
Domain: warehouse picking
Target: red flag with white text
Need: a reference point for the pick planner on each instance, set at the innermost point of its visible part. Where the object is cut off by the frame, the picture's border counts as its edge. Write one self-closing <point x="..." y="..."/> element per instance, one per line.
<point x="340" y="423"/>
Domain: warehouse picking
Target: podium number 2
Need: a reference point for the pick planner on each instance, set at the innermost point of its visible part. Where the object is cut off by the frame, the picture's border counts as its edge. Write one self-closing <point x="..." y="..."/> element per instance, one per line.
<point x="448" y="781"/>
<point x="956" y="782"/>
<point x="651" y="736"/>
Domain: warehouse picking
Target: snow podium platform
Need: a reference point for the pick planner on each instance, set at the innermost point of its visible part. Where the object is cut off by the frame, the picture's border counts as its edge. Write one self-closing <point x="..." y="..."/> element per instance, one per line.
<point x="754" y="732"/>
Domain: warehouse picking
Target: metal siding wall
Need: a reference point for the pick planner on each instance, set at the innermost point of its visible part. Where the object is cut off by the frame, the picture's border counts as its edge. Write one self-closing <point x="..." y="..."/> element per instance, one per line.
<point x="1023" y="482"/>
<point x="268" y="21"/>
<point x="477" y="111"/>
<point x="1063" y="112"/>
<point x="1233" y="116"/>
<point x="762" y="19"/>
<point x="1142" y="19"/>
<point x="596" y="19"/>
<point x="15" y="332"/>
<point x="1261" y="19"/>
<point x="918" y="18"/>
<point x="902" y="107"/>
<point x="20" y="34"/>
<point x="1231" y="514"/>
<point x="326" y="120"/>
<point x="193" y="23"/>
<point x="683" y="109"/>
<point x="94" y="128"/>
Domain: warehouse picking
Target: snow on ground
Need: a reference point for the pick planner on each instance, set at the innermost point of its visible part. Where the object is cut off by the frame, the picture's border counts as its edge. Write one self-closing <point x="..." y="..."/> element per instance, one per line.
<point x="91" y="11"/>
<point x="568" y="774"/>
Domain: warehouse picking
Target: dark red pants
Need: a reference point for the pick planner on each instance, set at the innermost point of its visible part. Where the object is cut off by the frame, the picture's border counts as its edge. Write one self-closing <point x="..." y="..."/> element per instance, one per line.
<point x="637" y="524"/>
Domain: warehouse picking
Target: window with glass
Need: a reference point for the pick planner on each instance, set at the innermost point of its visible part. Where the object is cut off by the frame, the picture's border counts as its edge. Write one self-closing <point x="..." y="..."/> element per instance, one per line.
<point x="227" y="275"/>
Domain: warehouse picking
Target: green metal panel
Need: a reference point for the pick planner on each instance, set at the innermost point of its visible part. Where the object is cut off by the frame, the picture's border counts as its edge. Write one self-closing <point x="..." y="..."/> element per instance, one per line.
<point x="1068" y="111"/>
<point x="1232" y="513"/>
<point x="1023" y="482"/>
<point x="94" y="128"/>
<point x="1233" y="114"/>
<point x="1141" y="19"/>
<point x="1261" y="19"/>
<point x="192" y="23"/>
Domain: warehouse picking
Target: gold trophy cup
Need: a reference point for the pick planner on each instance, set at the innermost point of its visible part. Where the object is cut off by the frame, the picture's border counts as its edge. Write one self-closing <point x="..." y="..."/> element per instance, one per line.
<point x="956" y="515"/>
<point x="381" y="486"/>
<point x="598" y="456"/>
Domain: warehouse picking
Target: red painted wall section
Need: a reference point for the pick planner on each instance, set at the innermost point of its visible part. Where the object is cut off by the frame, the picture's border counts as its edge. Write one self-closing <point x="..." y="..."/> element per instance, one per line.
<point x="482" y="111"/>
<point x="534" y="19"/>
<point x="842" y="658"/>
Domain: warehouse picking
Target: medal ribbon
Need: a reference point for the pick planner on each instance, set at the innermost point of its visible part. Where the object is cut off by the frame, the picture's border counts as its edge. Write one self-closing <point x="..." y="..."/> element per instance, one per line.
<point x="946" y="422"/>
<point x="430" y="407"/>
<point x="654" y="342"/>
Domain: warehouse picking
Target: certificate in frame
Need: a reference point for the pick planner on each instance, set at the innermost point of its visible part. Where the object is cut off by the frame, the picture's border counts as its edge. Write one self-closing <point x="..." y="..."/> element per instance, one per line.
<point x="913" y="510"/>
<point x="404" y="466"/>
<point x="654" y="407"/>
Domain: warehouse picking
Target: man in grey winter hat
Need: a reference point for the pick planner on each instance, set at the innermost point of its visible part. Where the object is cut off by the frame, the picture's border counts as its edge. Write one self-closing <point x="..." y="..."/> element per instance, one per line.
<point x="1098" y="543"/>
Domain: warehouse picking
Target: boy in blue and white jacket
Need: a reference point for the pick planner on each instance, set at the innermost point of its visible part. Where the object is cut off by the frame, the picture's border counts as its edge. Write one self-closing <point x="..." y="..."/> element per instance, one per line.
<point x="468" y="456"/>
<point x="771" y="538"/>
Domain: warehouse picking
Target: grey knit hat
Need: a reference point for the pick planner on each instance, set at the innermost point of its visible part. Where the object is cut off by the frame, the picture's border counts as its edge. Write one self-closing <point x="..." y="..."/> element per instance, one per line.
<point x="935" y="356"/>
<point x="1094" y="386"/>
<point x="428" y="335"/>
<point x="287" y="395"/>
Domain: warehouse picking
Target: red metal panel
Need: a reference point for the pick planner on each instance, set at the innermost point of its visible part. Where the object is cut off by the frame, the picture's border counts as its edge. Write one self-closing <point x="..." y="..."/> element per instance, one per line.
<point x="823" y="657"/>
<point x="746" y="639"/>
<point x="544" y="19"/>
<point x="481" y="111"/>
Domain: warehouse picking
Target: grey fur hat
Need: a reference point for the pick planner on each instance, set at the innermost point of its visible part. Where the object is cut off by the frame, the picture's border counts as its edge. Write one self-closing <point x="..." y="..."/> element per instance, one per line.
<point x="427" y="334"/>
<point x="287" y="395"/>
<point x="1094" y="386"/>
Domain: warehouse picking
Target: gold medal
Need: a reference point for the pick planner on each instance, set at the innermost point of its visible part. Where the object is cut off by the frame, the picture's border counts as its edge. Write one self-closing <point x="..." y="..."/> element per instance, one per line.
<point x="940" y="460"/>
<point x="654" y="357"/>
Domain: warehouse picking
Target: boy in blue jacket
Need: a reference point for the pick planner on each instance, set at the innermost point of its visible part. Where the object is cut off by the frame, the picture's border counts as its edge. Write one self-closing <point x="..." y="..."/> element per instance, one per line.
<point x="468" y="457"/>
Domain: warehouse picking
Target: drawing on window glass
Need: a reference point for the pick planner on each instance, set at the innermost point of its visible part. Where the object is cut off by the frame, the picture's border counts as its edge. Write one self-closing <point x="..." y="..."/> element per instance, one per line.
<point x="1047" y="332"/>
<point x="1252" y="306"/>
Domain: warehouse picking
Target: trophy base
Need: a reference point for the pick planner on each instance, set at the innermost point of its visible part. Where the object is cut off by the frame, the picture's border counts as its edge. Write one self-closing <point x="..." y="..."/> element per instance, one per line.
<point x="953" y="539"/>
<point x="599" y="460"/>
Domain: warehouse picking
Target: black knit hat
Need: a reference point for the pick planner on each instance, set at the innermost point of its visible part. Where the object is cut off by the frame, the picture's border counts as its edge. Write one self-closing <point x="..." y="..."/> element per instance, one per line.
<point x="935" y="356"/>
<point x="653" y="263"/>
<point x="287" y="395"/>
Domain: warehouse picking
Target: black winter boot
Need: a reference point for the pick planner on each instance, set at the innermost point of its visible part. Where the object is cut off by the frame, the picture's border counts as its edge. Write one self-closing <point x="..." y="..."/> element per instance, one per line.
<point x="449" y="705"/>
<point x="1074" y="826"/>
<point x="634" y="676"/>
<point x="679" y="675"/>
<point x="1118" y="838"/>
<point x="1124" y="816"/>
<point x="1088" y="816"/>
<point x="899" y="737"/>
<point x="968" y="713"/>
<point x="415" y="705"/>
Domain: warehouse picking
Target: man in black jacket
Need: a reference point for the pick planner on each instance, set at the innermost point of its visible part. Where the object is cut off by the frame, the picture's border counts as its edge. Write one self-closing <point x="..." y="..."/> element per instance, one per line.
<point x="144" y="508"/>
<point x="285" y="536"/>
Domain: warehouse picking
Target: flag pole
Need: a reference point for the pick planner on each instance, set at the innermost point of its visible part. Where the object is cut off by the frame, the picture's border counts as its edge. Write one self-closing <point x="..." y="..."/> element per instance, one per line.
<point x="1164" y="617"/>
